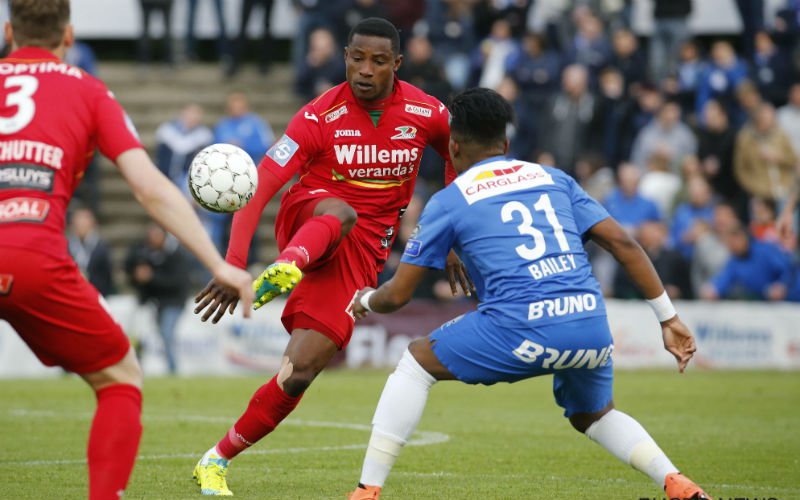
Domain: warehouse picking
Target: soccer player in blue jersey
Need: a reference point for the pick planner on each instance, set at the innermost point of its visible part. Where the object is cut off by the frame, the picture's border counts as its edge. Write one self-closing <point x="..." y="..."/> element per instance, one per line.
<point x="519" y="228"/>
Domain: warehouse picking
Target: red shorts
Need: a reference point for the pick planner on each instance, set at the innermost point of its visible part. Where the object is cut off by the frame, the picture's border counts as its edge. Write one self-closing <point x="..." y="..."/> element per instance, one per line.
<point x="59" y="314"/>
<point x="323" y="299"/>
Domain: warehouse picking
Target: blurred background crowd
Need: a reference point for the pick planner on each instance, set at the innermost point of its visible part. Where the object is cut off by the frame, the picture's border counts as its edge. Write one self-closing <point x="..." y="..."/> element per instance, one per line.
<point x="692" y="143"/>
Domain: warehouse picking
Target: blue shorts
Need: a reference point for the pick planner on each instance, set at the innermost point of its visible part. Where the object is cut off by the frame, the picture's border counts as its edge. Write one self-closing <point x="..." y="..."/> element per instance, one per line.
<point x="578" y="353"/>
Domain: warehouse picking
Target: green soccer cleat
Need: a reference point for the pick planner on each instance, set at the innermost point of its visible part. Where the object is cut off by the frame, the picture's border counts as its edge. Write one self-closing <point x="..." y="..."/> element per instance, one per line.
<point x="276" y="279"/>
<point x="211" y="476"/>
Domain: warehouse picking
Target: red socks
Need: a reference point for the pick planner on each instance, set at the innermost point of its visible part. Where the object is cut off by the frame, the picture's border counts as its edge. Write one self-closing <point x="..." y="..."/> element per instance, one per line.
<point x="268" y="407"/>
<point x="114" y="440"/>
<point x="314" y="238"/>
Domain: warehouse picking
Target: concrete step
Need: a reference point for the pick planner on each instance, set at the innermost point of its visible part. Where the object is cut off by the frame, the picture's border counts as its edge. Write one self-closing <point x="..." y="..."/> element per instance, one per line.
<point x="120" y="74"/>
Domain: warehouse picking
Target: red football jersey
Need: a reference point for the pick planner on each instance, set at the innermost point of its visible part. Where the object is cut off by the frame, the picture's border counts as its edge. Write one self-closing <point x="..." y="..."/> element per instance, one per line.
<point x="334" y="145"/>
<point x="52" y="117"/>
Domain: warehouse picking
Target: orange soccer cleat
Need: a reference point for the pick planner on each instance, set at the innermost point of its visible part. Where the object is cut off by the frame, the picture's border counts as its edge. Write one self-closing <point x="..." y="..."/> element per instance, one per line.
<point x="679" y="487"/>
<point x="365" y="493"/>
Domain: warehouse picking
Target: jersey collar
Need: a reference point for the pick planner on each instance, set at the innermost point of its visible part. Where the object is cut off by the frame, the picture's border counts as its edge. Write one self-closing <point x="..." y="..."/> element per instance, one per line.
<point x="33" y="53"/>
<point x="490" y="160"/>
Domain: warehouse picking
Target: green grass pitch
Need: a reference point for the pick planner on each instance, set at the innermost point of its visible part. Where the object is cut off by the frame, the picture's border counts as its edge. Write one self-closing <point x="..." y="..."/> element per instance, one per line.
<point x="736" y="433"/>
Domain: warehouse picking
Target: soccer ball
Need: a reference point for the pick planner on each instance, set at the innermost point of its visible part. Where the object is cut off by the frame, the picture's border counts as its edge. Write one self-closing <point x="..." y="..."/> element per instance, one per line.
<point x="222" y="178"/>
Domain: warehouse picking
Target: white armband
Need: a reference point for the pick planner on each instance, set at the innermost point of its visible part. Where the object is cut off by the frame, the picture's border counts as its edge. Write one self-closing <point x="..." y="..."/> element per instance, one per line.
<point x="663" y="307"/>
<point x="365" y="300"/>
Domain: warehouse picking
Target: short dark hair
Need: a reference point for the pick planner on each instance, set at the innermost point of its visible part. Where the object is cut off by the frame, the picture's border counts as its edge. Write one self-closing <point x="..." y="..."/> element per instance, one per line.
<point x="377" y="26"/>
<point x="480" y="115"/>
<point x="39" y="23"/>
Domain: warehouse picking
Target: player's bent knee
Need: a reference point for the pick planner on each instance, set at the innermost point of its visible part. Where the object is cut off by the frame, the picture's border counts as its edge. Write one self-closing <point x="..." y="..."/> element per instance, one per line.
<point x="126" y="371"/>
<point x="297" y="383"/>
<point x="348" y="216"/>
<point x="582" y="421"/>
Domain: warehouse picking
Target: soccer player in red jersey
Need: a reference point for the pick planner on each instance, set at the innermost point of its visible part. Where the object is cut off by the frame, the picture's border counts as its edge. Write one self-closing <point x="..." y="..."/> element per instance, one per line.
<point x="52" y="117"/>
<point x="357" y="149"/>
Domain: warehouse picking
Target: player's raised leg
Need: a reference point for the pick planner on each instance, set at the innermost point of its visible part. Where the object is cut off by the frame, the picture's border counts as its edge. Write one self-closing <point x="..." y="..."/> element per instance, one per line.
<point x="116" y="427"/>
<point x="397" y="415"/>
<point x="329" y="222"/>
<point x="619" y="433"/>
<point x="305" y="357"/>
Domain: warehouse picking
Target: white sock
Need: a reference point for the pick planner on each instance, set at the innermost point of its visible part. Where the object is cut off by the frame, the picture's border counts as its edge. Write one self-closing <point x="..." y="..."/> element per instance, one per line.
<point x="627" y="440"/>
<point x="213" y="452"/>
<point x="396" y="417"/>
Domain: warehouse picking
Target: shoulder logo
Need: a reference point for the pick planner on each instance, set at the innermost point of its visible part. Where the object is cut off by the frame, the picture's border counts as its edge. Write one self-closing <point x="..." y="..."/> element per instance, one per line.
<point x="441" y="107"/>
<point x="346" y="133"/>
<point x="413" y="248"/>
<point x="311" y="116"/>
<point x="283" y="150"/>
<point x="405" y="132"/>
<point x="6" y="280"/>
<point x="419" y="110"/>
<point x="336" y="114"/>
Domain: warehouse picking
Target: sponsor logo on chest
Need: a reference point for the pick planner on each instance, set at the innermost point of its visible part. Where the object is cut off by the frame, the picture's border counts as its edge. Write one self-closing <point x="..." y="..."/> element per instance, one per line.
<point x="23" y="176"/>
<point x="370" y="154"/>
<point x="346" y="133"/>
<point x="335" y="115"/>
<point x="498" y="178"/>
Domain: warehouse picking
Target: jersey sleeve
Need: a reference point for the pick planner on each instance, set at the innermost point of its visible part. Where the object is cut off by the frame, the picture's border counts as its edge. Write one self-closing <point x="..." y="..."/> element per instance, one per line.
<point x="115" y="131"/>
<point x="301" y="142"/>
<point x="432" y="239"/>
<point x="586" y="210"/>
<point x="440" y="140"/>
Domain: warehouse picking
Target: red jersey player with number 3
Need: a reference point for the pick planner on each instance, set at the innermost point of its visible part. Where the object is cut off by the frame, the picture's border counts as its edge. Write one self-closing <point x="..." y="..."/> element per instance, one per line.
<point x="52" y="117"/>
<point x="357" y="149"/>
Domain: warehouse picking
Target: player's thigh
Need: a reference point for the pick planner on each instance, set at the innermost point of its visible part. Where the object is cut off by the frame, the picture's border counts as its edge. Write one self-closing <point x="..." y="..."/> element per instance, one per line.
<point x="476" y="350"/>
<point x="61" y="317"/>
<point x="297" y="206"/>
<point x="583" y="374"/>
<point x="323" y="300"/>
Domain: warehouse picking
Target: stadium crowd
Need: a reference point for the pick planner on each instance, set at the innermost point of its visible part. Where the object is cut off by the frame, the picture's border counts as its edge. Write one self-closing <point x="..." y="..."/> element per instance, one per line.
<point x="692" y="143"/>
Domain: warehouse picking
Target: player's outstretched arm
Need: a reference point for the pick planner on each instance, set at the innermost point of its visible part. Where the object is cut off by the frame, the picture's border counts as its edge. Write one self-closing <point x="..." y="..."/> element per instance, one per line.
<point x="392" y="295"/>
<point x="165" y="203"/>
<point x="678" y="340"/>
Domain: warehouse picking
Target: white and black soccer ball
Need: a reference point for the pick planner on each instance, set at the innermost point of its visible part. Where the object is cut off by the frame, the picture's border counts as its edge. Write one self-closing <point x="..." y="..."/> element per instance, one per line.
<point x="222" y="178"/>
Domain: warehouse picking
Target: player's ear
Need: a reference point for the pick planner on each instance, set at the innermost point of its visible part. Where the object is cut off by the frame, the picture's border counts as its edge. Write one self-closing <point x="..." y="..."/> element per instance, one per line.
<point x="506" y="146"/>
<point x="397" y="62"/>
<point x="454" y="148"/>
<point x="8" y="34"/>
<point x="69" y="36"/>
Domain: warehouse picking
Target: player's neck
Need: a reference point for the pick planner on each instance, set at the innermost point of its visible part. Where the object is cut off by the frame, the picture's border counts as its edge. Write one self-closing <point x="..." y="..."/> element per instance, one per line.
<point x="379" y="103"/>
<point x="60" y="52"/>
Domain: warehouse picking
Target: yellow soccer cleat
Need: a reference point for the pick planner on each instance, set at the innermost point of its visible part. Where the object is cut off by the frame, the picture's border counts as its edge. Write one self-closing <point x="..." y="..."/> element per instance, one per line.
<point x="211" y="476"/>
<point x="276" y="279"/>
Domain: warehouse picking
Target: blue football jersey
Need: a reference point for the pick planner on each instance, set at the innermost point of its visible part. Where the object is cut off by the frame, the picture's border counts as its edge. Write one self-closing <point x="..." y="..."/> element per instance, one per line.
<point x="519" y="229"/>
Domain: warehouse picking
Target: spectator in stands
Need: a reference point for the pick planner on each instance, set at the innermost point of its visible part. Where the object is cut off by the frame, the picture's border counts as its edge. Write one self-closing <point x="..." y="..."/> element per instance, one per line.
<point x="748" y="100"/>
<point x="627" y="58"/>
<point x="149" y="8"/>
<point x="710" y="253"/>
<point x="594" y="176"/>
<point x="752" y="14"/>
<point x="756" y="270"/>
<point x="82" y="56"/>
<point x="265" y="44"/>
<point x="626" y="204"/>
<point x="223" y="44"/>
<point x="489" y="59"/>
<point x="672" y="267"/>
<point x="772" y="70"/>
<point x="314" y="14"/>
<point x="157" y="268"/>
<point x="589" y="47"/>
<point x="670" y="30"/>
<point x="789" y="118"/>
<point x="570" y="121"/>
<point x="449" y="25"/>
<point x="690" y="70"/>
<point x="535" y="69"/>
<point x="178" y="140"/>
<point x="763" y="214"/>
<point x="614" y="113"/>
<point x="699" y="208"/>
<point x="716" y="141"/>
<point x="764" y="161"/>
<point x="422" y="69"/>
<point x="91" y="253"/>
<point x="665" y="135"/>
<point x="720" y="78"/>
<point x="524" y="136"/>
<point x="241" y="127"/>
<point x="660" y="183"/>
<point x="355" y="12"/>
<point x="323" y="66"/>
<point x="514" y="12"/>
